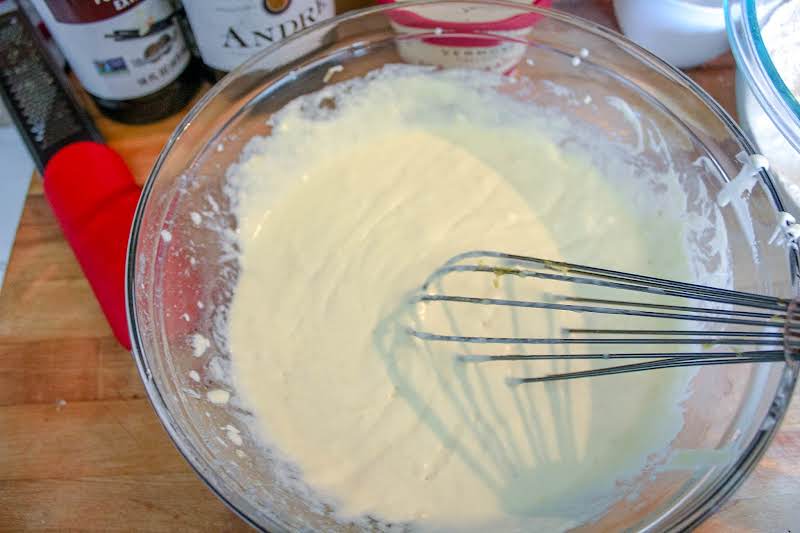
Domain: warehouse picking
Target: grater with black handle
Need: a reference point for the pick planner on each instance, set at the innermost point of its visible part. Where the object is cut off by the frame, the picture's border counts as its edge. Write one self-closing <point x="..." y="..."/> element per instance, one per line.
<point x="37" y="94"/>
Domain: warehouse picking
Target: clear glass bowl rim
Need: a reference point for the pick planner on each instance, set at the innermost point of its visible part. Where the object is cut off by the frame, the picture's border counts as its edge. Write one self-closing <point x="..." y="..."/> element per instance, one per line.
<point x="691" y="517"/>
<point x="754" y="61"/>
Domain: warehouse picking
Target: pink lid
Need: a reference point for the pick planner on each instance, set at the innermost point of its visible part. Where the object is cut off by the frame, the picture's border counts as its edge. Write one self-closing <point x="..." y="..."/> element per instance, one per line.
<point x="412" y="19"/>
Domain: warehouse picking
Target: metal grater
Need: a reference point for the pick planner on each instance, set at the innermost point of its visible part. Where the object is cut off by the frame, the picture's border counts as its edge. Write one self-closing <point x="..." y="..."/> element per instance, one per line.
<point x="37" y="94"/>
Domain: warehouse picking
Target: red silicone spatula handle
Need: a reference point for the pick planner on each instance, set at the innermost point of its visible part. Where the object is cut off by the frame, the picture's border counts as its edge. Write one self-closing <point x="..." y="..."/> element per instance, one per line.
<point x="94" y="197"/>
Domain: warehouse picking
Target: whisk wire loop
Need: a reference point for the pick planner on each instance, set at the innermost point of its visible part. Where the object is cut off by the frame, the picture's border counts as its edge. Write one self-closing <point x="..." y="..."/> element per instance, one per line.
<point x="773" y="324"/>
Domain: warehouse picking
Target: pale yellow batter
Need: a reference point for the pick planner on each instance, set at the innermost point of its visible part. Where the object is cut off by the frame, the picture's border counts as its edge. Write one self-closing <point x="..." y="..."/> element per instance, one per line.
<point x="343" y="215"/>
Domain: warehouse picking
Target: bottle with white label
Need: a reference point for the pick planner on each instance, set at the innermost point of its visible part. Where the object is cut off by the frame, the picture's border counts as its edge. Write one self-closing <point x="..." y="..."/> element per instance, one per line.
<point x="230" y="31"/>
<point x="131" y="56"/>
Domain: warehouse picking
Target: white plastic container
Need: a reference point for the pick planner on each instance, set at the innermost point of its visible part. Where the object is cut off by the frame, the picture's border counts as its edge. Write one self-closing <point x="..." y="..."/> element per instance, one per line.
<point x="685" y="33"/>
<point x="458" y="38"/>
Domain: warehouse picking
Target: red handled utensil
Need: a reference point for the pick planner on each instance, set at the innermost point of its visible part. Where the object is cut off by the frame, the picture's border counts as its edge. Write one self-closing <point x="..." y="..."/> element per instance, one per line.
<point x="90" y="189"/>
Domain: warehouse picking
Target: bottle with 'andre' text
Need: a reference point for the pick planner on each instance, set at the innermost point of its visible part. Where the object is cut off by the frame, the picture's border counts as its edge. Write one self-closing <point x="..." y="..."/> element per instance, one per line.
<point x="230" y="31"/>
<point x="131" y="56"/>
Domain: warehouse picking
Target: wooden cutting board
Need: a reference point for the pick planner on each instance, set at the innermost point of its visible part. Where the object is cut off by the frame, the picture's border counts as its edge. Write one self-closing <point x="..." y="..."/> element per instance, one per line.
<point x="80" y="446"/>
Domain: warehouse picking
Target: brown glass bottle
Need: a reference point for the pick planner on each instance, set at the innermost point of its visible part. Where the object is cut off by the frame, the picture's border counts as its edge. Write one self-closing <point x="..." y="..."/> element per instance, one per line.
<point x="131" y="57"/>
<point x="228" y="32"/>
<point x="162" y="103"/>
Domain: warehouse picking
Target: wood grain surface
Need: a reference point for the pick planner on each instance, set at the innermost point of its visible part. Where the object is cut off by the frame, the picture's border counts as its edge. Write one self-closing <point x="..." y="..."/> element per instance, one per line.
<point x="80" y="446"/>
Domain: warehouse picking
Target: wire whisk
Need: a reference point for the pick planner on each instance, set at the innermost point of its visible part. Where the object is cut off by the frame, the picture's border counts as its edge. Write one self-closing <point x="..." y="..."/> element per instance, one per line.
<point x="768" y="326"/>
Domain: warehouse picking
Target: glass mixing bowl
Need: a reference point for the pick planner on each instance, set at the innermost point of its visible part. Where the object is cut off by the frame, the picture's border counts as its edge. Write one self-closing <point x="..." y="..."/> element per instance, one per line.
<point x="181" y="273"/>
<point x="767" y="108"/>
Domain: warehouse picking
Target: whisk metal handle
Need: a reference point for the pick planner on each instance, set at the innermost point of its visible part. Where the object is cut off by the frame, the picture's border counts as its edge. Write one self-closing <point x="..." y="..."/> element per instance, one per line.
<point x="791" y="332"/>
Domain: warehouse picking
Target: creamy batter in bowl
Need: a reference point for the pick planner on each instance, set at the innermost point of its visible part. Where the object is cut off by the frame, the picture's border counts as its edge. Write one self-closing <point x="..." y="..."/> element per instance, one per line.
<point x="641" y="130"/>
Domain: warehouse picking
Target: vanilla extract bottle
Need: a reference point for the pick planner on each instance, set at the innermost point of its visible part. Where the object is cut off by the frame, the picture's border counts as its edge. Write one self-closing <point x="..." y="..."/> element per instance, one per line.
<point x="131" y="56"/>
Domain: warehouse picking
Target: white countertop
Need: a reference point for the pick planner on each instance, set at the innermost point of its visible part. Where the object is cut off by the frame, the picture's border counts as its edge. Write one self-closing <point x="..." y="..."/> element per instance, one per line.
<point x="15" y="178"/>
